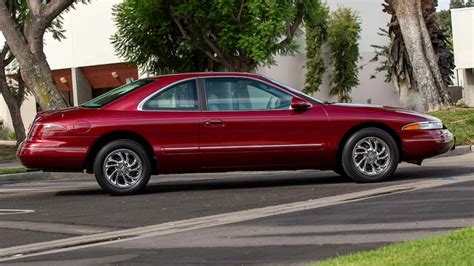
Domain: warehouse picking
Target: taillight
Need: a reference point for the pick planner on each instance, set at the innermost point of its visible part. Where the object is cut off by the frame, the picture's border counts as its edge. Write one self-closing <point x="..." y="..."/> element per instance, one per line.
<point x="45" y="130"/>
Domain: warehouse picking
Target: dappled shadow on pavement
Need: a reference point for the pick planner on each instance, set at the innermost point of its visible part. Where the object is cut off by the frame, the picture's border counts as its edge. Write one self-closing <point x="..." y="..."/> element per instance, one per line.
<point x="279" y="179"/>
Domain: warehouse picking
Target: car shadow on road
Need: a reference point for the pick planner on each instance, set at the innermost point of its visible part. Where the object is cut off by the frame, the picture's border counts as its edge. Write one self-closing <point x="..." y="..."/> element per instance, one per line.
<point x="278" y="179"/>
<point x="413" y="173"/>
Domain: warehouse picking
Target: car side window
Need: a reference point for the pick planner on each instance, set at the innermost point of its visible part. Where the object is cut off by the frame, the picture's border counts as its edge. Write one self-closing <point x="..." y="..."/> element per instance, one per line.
<point x="182" y="96"/>
<point x="240" y="94"/>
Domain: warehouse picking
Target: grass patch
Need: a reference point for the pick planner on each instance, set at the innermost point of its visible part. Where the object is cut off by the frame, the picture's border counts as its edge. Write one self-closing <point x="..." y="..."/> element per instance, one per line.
<point x="460" y="121"/>
<point x="6" y="171"/>
<point x="456" y="248"/>
<point x="7" y="153"/>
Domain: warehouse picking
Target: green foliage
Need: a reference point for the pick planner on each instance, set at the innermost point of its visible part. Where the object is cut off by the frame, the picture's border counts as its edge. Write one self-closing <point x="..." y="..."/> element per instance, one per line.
<point x="7" y="152"/>
<point x="19" y="10"/>
<point x="8" y="171"/>
<point x="381" y="55"/>
<point x="453" y="248"/>
<point x="181" y="36"/>
<point x="12" y="136"/>
<point x="461" y="3"/>
<point x="460" y="121"/>
<point x="343" y="40"/>
<point x="443" y="18"/>
<point x="316" y="36"/>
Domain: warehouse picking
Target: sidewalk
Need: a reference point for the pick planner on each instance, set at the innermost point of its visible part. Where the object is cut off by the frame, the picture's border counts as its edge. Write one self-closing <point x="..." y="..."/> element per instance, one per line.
<point x="8" y="142"/>
<point x="10" y="164"/>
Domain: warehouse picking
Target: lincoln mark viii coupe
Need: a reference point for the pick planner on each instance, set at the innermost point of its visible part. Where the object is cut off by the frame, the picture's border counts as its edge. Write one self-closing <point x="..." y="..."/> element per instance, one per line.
<point x="210" y="122"/>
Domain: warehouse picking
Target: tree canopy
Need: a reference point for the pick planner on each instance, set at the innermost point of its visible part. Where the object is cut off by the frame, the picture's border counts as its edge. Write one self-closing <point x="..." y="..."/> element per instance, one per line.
<point x="461" y="3"/>
<point x="183" y="36"/>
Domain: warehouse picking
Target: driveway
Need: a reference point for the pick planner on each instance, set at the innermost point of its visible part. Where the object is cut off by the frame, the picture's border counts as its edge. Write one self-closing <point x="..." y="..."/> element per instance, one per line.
<point x="233" y="218"/>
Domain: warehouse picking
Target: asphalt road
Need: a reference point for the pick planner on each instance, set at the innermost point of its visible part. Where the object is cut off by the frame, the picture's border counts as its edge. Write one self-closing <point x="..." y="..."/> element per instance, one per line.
<point x="72" y="206"/>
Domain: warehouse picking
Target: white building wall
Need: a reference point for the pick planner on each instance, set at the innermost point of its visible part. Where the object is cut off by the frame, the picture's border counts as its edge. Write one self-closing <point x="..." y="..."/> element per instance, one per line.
<point x="463" y="37"/>
<point x="290" y="70"/>
<point x="463" y="44"/>
<point x="88" y="31"/>
<point x="28" y="112"/>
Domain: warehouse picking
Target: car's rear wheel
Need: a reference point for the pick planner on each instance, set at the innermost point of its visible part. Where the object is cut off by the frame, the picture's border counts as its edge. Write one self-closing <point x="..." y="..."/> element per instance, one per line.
<point x="122" y="167"/>
<point x="370" y="155"/>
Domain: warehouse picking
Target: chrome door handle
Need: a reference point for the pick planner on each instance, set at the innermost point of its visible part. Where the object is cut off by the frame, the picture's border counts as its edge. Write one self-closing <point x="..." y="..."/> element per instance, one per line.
<point x="214" y="122"/>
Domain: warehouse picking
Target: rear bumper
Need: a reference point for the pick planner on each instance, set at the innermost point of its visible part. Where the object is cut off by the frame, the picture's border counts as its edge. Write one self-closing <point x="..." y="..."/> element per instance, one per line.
<point x="47" y="154"/>
<point x="424" y="144"/>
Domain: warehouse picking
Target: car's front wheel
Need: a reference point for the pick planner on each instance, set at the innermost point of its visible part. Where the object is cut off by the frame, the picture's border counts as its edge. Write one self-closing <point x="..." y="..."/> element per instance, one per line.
<point x="122" y="167"/>
<point x="370" y="155"/>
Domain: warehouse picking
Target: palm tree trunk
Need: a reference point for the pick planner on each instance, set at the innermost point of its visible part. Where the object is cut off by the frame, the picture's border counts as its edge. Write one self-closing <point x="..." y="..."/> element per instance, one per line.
<point x="426" y="74"/>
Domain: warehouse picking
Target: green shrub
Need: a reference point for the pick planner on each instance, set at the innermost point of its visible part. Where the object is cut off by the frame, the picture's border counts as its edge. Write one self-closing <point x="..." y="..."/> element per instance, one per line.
<point x="344" y="34"/>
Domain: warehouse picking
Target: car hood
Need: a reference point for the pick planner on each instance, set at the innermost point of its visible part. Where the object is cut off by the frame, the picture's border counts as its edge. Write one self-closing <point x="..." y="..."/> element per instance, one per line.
<point x="387" y="108"/>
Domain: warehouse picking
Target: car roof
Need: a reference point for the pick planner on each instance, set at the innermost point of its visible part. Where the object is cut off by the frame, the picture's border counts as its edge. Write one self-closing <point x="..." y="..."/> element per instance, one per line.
<point x="206" y="74"/>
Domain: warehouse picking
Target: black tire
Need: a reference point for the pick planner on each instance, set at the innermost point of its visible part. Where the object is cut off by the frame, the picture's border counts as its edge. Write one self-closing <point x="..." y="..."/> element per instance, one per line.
<point x="370" y="172"/>
<point x="118" y="148"/>
<point x="340" y="171"/>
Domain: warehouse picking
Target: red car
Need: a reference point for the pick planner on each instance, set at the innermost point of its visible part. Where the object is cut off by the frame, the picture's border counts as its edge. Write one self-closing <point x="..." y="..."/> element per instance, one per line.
<point x="209" y="122"/>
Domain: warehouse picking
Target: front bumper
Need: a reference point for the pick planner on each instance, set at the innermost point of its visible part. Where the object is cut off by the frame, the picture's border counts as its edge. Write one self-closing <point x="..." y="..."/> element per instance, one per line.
<point x="419" y="145"/>
<point x="47" y="154"/>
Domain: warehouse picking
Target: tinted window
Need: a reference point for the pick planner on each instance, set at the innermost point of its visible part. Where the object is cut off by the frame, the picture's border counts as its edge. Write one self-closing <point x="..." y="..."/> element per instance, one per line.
<point x="114" y="94"/>
<point x="182" y="96"/>
<point x="238" y="94"/>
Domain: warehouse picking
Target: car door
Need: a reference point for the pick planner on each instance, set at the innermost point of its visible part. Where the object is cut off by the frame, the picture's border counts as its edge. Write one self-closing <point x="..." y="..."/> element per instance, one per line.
<point x="249" y="124"/>
<point x="173" y="115"/>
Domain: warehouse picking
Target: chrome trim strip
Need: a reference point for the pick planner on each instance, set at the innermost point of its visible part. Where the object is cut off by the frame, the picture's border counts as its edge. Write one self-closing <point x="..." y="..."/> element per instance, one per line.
<point x="61" y="149"/>
<point x="261" y="146"/>
<point x="183" y="149"/>
<point x="443" y="140"/>
<point x="195" y="148"/>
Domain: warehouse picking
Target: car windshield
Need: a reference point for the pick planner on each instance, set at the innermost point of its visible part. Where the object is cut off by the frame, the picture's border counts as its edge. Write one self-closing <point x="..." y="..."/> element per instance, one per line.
<point x="114" y="94"/>
<point x="294" y="90"/>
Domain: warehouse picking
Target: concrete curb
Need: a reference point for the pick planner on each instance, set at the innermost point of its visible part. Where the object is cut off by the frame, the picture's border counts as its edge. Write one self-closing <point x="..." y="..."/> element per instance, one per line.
<point x="8" y="142"/>
<point x="460" y="150"/>
<point x="22" y="177"/>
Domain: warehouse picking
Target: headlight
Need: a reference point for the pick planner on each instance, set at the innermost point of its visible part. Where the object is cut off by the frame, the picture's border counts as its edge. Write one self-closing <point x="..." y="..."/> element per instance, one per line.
<point x="423" y="126"/>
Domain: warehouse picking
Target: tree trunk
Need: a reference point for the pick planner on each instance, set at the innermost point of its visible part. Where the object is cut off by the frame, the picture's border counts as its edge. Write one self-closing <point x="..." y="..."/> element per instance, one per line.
<point x="430" y="91"/>
<point x="17" y="120"/>
<point x="38" y="78"/>
<point x="410" y="97"/>
<point x="14" y="107"/>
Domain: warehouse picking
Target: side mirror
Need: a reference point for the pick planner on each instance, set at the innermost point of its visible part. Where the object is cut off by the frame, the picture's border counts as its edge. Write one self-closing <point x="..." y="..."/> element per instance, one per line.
<point x="299" y="104"/>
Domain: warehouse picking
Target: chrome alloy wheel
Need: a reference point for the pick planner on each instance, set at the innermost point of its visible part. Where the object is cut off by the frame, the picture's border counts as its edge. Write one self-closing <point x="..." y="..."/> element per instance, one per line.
<point x="371" y="156"/>
<point x="122" y="168"/>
